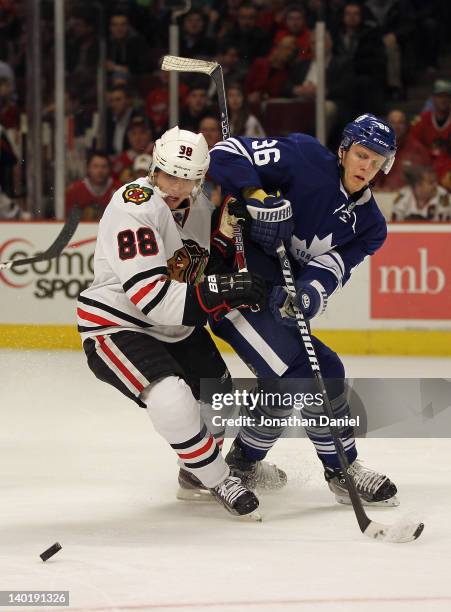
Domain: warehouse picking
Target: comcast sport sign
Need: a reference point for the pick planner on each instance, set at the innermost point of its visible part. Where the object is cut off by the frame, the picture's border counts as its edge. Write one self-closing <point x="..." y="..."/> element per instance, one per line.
<point x="54" y="283"/>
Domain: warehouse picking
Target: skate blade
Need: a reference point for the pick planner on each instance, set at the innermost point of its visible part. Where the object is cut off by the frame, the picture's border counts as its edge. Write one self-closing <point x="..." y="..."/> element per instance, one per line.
<point x="386" y="503"/>
<point x="254" y="517"/>
<point x="197" y="495"/>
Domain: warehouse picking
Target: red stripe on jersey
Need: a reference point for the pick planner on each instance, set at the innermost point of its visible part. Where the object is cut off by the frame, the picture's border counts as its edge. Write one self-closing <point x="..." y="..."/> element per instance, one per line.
<point x="117" y="362"/>
<point x="145" y="290"/>
<point x="199" y="451"/>
<point x="88" y="316"/>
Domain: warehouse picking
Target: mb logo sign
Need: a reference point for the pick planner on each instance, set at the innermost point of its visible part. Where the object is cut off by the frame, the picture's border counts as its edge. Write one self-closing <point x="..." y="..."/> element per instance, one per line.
<point x="411" y="277"/>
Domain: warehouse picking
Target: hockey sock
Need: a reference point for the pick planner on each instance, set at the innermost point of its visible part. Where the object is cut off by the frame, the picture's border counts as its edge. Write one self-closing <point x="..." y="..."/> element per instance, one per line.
<point x="175" y="415"/>
<point x="320" y="435"/>
<point x="214" y="421"/>
<point x="264" y="428"/>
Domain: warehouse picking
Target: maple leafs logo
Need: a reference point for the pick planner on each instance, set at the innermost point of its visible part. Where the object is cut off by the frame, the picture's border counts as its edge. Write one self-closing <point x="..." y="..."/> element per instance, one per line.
<point x="318" y="246"/>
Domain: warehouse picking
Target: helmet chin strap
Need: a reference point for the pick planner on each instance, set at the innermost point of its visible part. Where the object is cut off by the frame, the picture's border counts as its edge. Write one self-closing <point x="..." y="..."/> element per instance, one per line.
<point x="153" y="182"/>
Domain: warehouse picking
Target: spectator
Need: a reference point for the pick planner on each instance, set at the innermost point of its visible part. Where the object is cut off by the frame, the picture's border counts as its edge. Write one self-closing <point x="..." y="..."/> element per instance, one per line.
<point x="193" y="39"/>
<point x="267" y="75"/>
<point x="359" y="49"/>
<point x="295" y="25"/>
<point x="92" y="193"/>
<point x="303" y="81"/>
<point x="395" y="18"/>
<point x="250" y="40"/>
<point x="141" y="166"/>
<point x="222" y="19"/>
<point x="119" y="114"/>
<point x="422" y="199"/>
<point x="82" y="51"/>
<point x="433" y="128"/>
<point x="242" y="122"/>
<point x="139" y="136"/>
<point x="195" y="110"/>
<point x="271" y="18"/>
<point x="429" y="18"/>
<point x="232" y="67"/>
<point x="330" y="11"/>
<point x="127" y="51"/>
<point x="157" y="102"/>
<point x="9" y="112"/>
<point x="211" y="129"/>
<point x="410" y="152"/>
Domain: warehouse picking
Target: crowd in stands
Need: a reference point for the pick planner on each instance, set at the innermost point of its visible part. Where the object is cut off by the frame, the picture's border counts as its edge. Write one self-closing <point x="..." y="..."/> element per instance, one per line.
<point x="375" y="53"/>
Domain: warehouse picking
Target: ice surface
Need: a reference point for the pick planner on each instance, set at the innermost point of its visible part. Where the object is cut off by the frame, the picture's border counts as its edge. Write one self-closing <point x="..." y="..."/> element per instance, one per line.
<point x="81" y="465"/>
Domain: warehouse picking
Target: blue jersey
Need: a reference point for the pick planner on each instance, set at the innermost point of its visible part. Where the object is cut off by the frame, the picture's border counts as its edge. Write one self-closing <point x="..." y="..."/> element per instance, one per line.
<point x="333" y="232"/>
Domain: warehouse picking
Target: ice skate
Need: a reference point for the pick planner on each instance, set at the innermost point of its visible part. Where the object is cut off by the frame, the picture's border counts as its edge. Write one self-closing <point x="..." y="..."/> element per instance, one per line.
<point x="191" y="488"/>
<point x="373" y="488"/>
<point x="236" y="499"/>
<point x="254" y="474"/>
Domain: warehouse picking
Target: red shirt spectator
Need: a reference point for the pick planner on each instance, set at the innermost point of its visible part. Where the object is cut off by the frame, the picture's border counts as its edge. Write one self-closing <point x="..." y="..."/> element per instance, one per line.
<point x="94" y="192"/>
<point x="157" y="103"/>
<point x="271" y="18"/>
<point x="410" y="152"/>
<point x="267" y="75"/>
<point x="139" y="136"/>
<point x="431" y="134"/>
<point x="433" y="128"/>
<point x="295" y="25"/>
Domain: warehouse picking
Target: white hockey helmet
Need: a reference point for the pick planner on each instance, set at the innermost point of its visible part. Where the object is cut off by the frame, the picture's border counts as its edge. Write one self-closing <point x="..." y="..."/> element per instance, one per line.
<point x="181" y="153"/>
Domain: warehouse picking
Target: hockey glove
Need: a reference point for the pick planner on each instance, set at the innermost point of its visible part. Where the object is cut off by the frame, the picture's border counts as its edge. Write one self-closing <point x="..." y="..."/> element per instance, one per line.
<point x="272" y="218"/>
<point x="223" y="221"/>
<point x="220" y="293"/>
<point x="311" y="297"/>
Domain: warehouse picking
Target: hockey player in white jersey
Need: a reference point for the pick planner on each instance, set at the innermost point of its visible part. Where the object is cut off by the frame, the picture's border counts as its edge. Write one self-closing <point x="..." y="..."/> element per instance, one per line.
<point x="142" y="319"/>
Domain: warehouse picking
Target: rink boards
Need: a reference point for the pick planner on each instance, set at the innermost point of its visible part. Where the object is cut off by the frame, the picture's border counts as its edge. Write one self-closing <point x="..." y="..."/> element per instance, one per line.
<point x="397" y="302"/>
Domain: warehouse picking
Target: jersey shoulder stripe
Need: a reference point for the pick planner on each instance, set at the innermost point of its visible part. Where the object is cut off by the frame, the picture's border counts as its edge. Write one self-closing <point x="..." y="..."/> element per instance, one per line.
<point x="157" y="299"/>
<point x="113" y="311"/>
<point x="159" y="270"/>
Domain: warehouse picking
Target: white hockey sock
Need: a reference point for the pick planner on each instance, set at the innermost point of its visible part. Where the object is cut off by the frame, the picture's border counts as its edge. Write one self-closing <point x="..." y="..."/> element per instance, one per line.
<point x="175" y="415"/>
<point x="214" y="420"/>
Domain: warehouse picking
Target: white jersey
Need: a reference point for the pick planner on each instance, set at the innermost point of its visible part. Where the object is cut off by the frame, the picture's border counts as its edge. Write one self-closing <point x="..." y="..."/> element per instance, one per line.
<point x="146" y="257"/>
<point x="438" y="208"/>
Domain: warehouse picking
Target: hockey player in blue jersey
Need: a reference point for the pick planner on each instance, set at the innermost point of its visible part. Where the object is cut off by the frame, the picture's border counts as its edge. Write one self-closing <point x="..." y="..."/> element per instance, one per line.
<point x="335" y="223"/>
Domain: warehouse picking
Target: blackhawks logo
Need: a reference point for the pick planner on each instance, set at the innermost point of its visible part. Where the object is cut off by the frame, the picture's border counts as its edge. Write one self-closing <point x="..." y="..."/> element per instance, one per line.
<point x="188" y="263"/>
<point x="137" y="194"/>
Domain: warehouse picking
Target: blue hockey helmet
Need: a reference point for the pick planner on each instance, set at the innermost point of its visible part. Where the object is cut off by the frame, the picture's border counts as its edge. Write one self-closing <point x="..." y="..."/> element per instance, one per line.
<point x="372" y="133"/>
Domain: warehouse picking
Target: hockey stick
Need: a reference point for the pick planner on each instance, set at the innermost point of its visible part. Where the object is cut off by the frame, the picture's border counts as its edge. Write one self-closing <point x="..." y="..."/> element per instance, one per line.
<point x="400" y="532"/>
<point x="55" y="249"/>
<point x="214" y="71"/>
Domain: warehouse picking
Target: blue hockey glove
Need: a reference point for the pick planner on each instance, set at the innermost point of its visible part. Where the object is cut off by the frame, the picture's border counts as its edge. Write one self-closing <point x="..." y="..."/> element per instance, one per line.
<point x="272" y="218"/>
<point x="311" y="296"/>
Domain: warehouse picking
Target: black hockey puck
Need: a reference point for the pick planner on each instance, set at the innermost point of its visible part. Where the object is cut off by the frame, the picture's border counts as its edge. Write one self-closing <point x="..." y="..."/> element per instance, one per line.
<point x="50" y="551"/>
